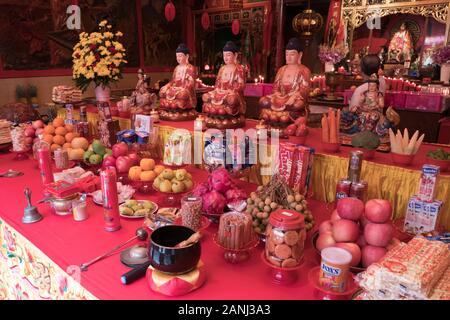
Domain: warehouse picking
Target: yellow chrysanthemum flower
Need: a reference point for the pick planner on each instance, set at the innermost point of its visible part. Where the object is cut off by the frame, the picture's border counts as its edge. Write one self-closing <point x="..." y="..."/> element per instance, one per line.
<point x="103" y="23"/>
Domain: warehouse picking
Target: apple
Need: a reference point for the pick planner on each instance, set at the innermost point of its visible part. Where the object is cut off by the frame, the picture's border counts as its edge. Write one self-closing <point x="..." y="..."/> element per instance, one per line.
<point x="326" y="226"/>
<point x="123" y="164"/>
<point x="361" y="241"/>
<point x="378" y="234"/>
<point x="120" y="149"/>
<point x="38" y="124"/>
<point x="325" y="240"/>
<point x="274" y="118"/>
<point x="284" y="119"/>
<point x="354" y="250"/>
<point x="135" y="159"/>
<point x="29" y="132"/>
<point x="378" y="210"/>
<point x="363" y="221"/>
<point x="39" y="131"/>
<point x="371" y="254"/>
<point x="345" y="231"/>
<point x="335" y="216"/>
<point x="350" y="208"/>
<point x="290" y="129"/>
<point x="300" y="121"/>
<point x="109" y="161"/>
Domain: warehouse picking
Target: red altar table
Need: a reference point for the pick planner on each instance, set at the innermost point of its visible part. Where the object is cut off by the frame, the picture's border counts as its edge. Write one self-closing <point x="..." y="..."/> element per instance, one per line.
<point x="41" y="255"/>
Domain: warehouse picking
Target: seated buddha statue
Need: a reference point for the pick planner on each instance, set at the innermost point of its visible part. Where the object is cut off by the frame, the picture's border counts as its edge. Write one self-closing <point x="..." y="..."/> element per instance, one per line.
<point x="177" y="98"/>
<point x="289" y="99"/>
<point x="225" y="105"/>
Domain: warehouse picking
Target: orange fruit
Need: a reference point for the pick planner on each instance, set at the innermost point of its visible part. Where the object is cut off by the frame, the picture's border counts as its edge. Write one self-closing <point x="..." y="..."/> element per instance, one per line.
<point x="67" y="145"/>
<point x="55" y="147"/>
<point x="158" y="169"/>
<point x="148" y="175"/>
<point x="70" y="136"/>
<point x="58" y="122"/>
<point x="69" y="127"/>
<point x="147" y="164"/>
<point x="48" y="138"/>
<point x="49" y="129"/>
<point x="61" y="131"/>
<point x="59" y="140"/>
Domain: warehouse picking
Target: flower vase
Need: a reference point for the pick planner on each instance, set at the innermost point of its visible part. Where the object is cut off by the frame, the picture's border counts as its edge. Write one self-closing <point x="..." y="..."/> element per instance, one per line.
<point x="445" y="72"/>
<point x="102" y="93"/>
<point x="329" y="67"/>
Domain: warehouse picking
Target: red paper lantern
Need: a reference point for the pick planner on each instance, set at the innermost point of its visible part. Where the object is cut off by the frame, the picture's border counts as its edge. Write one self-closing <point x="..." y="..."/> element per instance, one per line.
<point x="205" y="20"/>
<point x="169" y="11"/>
<point x="235" y="26"/>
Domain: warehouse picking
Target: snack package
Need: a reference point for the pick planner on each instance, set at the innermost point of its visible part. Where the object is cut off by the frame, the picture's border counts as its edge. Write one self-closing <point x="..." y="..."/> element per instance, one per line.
<point x="408" y="271"/>
<point x="107" y="130"/>
<point x="177" y="150"/>
<point x="428" y="183"/>
<point x="295" y="163"/>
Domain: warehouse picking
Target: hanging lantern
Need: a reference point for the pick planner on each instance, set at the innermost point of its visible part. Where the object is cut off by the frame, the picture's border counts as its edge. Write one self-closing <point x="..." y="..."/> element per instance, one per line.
<point x="205" y="21"/>
<point x="307" y="23"/>
<point x="235" y="26"/>
<point x="236" y="4"/>
<point x="169" y="11"/>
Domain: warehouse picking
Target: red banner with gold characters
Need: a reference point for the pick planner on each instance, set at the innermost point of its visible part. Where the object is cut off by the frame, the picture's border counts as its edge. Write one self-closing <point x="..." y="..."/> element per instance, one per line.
<point x="333" y="23"/>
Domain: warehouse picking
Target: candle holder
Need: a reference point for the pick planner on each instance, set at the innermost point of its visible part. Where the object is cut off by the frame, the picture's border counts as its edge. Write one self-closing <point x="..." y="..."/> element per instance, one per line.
<point x="333" y="79"/>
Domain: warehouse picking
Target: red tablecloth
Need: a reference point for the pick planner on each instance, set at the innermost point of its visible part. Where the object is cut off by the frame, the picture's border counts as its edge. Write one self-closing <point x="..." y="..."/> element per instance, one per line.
<point x="314" y="140"/>
<point x="67" y="242"/>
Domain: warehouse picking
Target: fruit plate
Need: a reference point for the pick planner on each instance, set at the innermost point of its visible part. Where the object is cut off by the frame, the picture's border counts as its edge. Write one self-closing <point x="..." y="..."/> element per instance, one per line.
<point x="314" y="238"/>
<point x="149" y="212"/>
<point x="171" y="199"/>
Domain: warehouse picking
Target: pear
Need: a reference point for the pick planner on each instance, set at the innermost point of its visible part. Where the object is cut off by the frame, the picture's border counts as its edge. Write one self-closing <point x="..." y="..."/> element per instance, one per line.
<point x="130" y="203"/>
<point x="178" y="186"/>
<point x="165" y="186"/>
<point x="167" y="174"/>
<point x="180" y="174"/>
<point x="188" y="184"/>
<point x="157" y="182"/>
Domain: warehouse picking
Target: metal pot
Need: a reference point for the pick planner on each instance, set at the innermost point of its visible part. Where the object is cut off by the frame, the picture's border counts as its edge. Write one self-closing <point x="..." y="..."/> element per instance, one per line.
<point x="63" y="206"/>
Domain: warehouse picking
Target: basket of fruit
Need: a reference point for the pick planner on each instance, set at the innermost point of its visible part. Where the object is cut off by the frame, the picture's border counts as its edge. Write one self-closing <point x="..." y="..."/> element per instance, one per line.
<point x="439" y="157"/>
<point x="276" y="195"/>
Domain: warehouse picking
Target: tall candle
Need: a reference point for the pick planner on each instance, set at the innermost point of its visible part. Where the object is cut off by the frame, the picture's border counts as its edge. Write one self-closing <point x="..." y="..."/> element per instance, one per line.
<point x="45" y="164"/>
<point x="108" y="178"/>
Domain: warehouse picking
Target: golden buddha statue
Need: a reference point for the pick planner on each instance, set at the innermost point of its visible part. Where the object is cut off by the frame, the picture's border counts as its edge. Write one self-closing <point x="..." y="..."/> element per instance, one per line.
<point x="177" y="98"/>
<point x="225" y="105"/>
<point x="289" y="99"/>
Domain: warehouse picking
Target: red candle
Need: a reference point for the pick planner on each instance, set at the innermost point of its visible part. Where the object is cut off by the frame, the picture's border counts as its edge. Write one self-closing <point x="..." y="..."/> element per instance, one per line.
<point x="401" y="82"/>
<point x="111" y="215"/>
<point x="45" y="164"/>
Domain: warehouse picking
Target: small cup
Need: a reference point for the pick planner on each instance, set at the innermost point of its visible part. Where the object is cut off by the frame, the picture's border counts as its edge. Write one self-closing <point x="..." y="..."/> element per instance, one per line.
<point x="79" y="208"/>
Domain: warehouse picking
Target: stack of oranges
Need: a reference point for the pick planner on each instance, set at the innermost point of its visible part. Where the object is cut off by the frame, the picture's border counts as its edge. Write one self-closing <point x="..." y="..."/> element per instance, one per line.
<point x="59" y="134"/>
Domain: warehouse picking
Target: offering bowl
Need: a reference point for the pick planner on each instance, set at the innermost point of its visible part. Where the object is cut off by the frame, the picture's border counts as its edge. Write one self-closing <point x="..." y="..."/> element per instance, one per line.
<point x="165" y="257"/>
